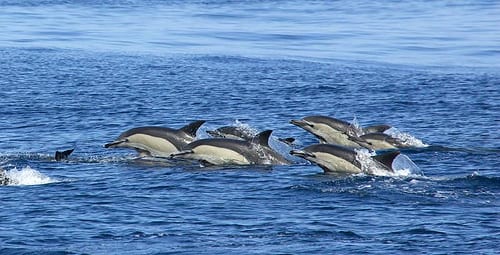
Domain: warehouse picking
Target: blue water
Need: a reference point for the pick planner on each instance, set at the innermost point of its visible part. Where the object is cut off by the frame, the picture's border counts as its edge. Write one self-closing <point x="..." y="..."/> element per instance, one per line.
<point x="78" y="73"/>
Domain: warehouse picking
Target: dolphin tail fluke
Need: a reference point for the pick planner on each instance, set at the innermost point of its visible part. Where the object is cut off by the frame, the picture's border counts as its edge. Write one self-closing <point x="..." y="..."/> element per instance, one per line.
<point x="63" y="155"/>
<point x="192" y="127"/>
<point x="386" y="159"/>
<point x="262" y="138"/>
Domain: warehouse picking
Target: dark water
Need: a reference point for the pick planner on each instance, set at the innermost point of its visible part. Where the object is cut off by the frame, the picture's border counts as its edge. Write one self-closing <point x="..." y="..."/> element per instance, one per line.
<point x="77" y="74"/>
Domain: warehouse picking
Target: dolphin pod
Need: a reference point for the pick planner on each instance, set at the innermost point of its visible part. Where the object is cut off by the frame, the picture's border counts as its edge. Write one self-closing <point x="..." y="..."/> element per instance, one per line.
<point x="329" y="130"/>
<point x="229" y="145"/>
<point x="336" y="152"/>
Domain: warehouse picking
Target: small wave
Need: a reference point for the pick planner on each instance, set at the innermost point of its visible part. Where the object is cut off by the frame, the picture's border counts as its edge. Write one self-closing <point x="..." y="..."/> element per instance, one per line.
<point x="26" y="176"/>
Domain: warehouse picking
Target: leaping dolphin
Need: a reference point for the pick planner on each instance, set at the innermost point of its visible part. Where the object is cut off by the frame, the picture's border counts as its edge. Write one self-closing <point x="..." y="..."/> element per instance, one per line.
<point x="338" y="159"/>
<point x="157" y="141"/>
<point x="330" y="130"/>
<point x="223" y="151"/>
<point x="382" y="141"/>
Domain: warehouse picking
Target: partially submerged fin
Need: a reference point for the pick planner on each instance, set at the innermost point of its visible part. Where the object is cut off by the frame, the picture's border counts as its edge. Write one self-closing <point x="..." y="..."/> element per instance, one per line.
<point x="63" y="155"/>
<point x="386" y="159"/>
<point x="192" y="127"/>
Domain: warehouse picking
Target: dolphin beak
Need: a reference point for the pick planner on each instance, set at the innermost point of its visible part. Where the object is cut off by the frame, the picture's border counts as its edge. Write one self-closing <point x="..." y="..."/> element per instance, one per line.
<point x="181" y="153"/>
<point x="115" y="143"/>
<point x="301" y="123"/>
<point x="297" y="122"/>
<point x="302" y="154"/>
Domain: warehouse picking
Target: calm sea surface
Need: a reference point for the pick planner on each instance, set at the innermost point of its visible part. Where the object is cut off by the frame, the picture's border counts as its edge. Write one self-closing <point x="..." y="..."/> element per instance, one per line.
<point x="75" y="74"/>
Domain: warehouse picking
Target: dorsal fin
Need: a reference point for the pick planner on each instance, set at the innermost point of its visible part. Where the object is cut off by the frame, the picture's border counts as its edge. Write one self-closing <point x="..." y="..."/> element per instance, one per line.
<point x="262" y="138"/>
<point x="386" y="159"/>
<point x="63" y="155"/>
<point x="192" y="127"/>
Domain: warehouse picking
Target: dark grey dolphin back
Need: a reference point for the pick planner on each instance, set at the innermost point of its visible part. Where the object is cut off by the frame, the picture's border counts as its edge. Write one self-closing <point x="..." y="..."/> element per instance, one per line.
<point x="376" y="128"/>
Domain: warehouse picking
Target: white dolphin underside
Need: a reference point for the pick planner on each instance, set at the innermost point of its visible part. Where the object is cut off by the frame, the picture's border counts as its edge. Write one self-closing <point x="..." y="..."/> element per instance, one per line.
<point x="214" y="155"/>
<point x="334" y="163"/>
<point x="154" y="145"/>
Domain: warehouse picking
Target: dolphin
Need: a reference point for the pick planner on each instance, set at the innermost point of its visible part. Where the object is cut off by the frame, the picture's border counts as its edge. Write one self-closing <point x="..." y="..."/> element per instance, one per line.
<point x="156" y="141"/>
<point x="330" y="130"/>
<point x="233" y="132"/>
<point x="224" y="151"/>
<point x="338" y="159"/>
<point x="382" y="141"/>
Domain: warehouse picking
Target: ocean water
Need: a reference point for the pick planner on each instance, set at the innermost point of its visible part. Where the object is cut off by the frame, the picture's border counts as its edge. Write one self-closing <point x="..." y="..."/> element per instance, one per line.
<point x="75" y="74"/>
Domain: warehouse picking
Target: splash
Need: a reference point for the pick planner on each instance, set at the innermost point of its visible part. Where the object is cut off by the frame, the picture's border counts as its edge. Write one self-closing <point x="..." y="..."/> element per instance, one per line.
<point x="27" y="176"/>
<point x="368" y="165"/>
<point x="402" y="165"/>
<point x="245" y="128"/>
<point x="406" y="138"/>
<point x="356" y="127"/>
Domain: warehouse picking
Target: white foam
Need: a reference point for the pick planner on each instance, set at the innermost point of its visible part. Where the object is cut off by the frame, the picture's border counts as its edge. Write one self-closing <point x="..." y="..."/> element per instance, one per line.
<point x="406" y="138"/>
<point x="246" y="128"/>
<point x="27" y="176"/>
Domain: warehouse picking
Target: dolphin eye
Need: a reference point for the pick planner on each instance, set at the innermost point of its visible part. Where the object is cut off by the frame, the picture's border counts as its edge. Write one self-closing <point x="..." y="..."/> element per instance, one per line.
<point x="311" y="125"/>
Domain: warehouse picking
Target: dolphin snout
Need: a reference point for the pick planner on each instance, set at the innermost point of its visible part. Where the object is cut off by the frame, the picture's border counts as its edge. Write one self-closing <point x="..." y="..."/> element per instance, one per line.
<point x="115" y="143"/>
<point x="302" y="154"/>
<point x="301" y="123"/>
